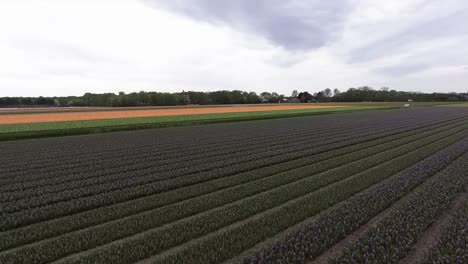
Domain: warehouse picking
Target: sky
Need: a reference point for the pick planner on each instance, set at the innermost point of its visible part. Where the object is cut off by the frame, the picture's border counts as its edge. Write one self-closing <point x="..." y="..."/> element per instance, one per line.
<point x="70" y="47"/>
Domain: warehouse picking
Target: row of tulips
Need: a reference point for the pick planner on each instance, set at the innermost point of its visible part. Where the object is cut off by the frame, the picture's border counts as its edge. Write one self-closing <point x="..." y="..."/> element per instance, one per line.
<point x="148" y="191"/>
<point x="452" y="246"/>
<point x="153" y="169"/>
<point x="312" y="238"/>
<point x="224" y="232"/>
<point x="224" y="190"/>
<point x="255" y="197"/>
<point x="79" y="163"/>
<point x="392" y="238"/>
<point x="75" y="150"/>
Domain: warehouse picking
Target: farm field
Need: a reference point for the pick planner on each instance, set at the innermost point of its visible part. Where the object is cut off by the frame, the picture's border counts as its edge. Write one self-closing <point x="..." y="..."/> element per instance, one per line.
<point x="35" y="123"/>
<point x="41" y="110"/>
<point x="77" y="109"/>
<point x="47" y="129"/>
<point x="365" y="187"/>
<point x="105" y="115"/>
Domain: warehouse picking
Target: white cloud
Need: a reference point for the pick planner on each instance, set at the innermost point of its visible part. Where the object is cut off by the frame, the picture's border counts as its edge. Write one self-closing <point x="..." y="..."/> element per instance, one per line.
<point x="56" y="47"/>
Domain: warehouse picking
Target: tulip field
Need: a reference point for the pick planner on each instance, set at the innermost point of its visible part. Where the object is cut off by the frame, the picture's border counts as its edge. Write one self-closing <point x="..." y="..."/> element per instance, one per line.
<point x="388" y="186"/>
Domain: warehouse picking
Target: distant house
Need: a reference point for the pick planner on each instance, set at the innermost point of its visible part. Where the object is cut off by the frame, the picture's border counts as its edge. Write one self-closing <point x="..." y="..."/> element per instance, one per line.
<point x="306" y="97"/>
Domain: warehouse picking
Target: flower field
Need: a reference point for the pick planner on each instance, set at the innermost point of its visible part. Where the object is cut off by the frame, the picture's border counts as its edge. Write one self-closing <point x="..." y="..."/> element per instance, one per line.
<point x="345" y="188"/>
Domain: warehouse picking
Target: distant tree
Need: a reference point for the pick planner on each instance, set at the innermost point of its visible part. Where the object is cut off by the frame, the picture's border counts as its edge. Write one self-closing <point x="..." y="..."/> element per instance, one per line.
<point x="26" y="101"/>
<point x="320" y="96"/>
<point x="294" y="94"/>
<point x="265" y="97"/>
<point x="273" y="97"/>
<point x="360" y="94"/>
<point x="336" y="92"/>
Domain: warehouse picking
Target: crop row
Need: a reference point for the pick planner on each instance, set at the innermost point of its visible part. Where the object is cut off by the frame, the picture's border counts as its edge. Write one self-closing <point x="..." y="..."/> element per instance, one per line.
<point x="166" y="155"/>
<point x="301" y="242"/>
<point x="136" y="156"/>
<point x="161" y="156"/>
<point x="212" y="208"/>
<point x="248" y="184"/>
<point x="132" y="145"/>
<point x="452" y="246"/>
<point x="238" y="186"/>
<point x="84" y="184"/>
<point x="141" y="222"/>
<point x="393" y="236"/>
<point x="76" y="205"/>
<point x="143" y="177"/>
<point x="116" y="185"/>
<point x="223" y="232"/>
<point x="153" y="165"/>
<point x="177" y="135"/>
<point x="195" y="136"/>
<point x="199" y="187"/>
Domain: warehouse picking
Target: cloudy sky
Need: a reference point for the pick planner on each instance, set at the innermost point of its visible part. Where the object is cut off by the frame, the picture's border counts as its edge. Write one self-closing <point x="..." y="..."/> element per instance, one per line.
<point x="69" y="47"/>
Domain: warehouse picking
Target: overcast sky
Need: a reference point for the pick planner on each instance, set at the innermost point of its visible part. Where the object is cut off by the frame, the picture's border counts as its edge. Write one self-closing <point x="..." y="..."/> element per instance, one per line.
<point x="69" y="47"/>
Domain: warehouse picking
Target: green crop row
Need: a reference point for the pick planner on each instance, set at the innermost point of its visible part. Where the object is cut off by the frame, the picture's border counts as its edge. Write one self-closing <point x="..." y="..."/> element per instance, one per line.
<point x="452" y="245"/>
<point x="231" y="240"/>
<point x="100" y="146"/>
<point x="15" y="132"/>
<point x="58" y="209"/>
<point x="229" y="139"/>
<point x="82" y="174"/>
<point x="171" y="156"/>
<point x="110" y="185"/>
<point x="86" y="183"/>
<point x="296" y="170"/>
<point x="393" y="236"/>
<point x="299" y="244"/>
<point x="239" y="186"/>
<point x="141" y="222"/>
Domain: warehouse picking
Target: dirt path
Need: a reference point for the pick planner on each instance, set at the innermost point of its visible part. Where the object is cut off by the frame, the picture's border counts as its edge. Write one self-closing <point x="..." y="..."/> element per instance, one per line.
<point x="431" y="235"/>
<point x="83" y="116"/>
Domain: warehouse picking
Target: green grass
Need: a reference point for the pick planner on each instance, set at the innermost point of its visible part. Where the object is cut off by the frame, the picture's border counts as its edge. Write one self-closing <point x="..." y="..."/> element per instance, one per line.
<point x="23" y="131"/>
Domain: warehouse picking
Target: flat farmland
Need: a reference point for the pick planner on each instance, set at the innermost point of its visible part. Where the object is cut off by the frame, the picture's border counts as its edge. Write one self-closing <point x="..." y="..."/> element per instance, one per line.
<point x="134" y="113"/>
<point x="51" y="122"/>
<point x="32" y="123"/>
<point x="364" y="187"/>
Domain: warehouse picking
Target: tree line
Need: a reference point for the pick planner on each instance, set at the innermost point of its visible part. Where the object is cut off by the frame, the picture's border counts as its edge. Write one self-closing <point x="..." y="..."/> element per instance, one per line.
<point x="384" y="94"/>
<point x="137" y="99"/>
<point x="369" y="94"/>
<point x="361" y="94"/>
